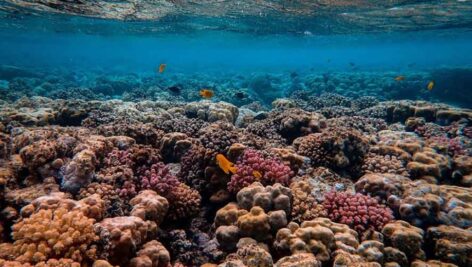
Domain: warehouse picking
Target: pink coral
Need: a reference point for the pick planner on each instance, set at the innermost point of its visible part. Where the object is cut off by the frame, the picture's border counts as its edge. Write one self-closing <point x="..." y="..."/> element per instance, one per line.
<point x="159" y="178"/>
<point x="359" y="211"/>
<point x="272" y="171"/>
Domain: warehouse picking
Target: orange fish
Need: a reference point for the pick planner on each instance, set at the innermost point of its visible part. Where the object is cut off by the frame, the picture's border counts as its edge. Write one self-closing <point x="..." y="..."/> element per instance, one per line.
<point x="206" y="93"/>
<point x="430" y="85"/>
<point x="226" y="165"/>
<point x="400" y="78"/>
<point x="162" y="68"/>
<point x="257" y="174"/>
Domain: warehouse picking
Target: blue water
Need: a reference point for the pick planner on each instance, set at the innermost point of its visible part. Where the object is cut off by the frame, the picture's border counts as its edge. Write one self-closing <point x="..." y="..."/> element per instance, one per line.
<point x="236" y="52"/>
<point x="413" y="38"/>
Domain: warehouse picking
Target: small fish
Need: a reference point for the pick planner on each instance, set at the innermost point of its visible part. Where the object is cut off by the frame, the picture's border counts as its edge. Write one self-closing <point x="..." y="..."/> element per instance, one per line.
<point x="239" y="95"/>
<point x="206" y="93"/>
<point x="224" y="164"/>
<point x="257" y="174"/>
<point x="293" y="75"/>
<point x="162" y="68"/>
<point x="430" y="85"/>
<point x="400" y="78"/>
<point x="352" y="64"/>
<point x="174" y="89"/>
<point x="411" y="65"/>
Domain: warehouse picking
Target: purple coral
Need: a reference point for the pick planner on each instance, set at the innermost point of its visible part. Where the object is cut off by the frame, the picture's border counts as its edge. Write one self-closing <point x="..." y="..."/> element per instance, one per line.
<point x="271" y="170"/>
<point x="359" y="211"/>
<point x="158" y="178"/>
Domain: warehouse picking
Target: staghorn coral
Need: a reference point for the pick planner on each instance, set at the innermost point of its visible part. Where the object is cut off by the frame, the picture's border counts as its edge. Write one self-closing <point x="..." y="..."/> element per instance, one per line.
<point x="358" y="211"/>
<point x="54" y="233"/>
<point x="271" y="170"/>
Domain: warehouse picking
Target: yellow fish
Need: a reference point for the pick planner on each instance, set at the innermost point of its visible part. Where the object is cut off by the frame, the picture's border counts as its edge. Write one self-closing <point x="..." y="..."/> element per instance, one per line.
<point x="399" y="78"/>
<point x="206" y="93"/>
<point x="162" y="68"/>
<point x="224" y="164"/>
<point x="257" y="174"/>
<point x="430" y="85"/>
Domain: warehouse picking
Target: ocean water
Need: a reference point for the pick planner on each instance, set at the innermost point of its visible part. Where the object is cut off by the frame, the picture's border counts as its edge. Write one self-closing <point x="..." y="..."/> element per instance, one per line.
<point x="319" y="102"/>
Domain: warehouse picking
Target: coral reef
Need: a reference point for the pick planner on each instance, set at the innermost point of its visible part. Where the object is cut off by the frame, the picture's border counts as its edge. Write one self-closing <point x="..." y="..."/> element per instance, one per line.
<point x="320" y="179"/>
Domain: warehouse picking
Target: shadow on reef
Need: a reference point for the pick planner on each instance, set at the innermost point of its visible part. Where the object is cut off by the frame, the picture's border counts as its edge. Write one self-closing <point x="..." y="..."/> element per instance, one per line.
<point x="451" y="85"/>
<point x="326" y="180"/>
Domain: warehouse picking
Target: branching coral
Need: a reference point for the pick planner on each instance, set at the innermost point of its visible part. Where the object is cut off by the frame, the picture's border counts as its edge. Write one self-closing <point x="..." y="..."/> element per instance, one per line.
<point x="358" y="211"/>
<point x="255" y="166"/>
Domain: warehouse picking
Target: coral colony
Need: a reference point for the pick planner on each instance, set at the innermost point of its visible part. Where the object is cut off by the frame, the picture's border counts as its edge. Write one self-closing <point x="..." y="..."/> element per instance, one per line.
<point x="316" y="180"/>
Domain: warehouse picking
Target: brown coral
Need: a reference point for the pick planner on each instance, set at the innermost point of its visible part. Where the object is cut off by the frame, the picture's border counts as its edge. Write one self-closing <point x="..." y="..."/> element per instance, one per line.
<point x="124" y="235"/>
<point x="148" y="205"/>
<point x="152" y="254"/>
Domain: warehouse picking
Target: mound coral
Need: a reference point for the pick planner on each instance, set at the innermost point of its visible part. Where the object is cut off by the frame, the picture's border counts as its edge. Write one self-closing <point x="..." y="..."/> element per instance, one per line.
<point x="320" y="237"/>
<point x="255" y="166"/>
<point x="148" y="205"/>
<point x="54" y="234"/>
<point x="340" y="149"/>
<point x="359" y="211"/>
<point x="124" y="235"/>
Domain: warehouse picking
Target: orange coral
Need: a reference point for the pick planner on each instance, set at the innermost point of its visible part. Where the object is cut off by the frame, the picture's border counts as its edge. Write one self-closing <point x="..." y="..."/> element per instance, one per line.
<point x="54" y="234"/>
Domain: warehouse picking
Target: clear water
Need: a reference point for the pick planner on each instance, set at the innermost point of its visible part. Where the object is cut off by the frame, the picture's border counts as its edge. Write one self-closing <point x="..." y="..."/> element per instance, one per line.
<point x="237" y="37"/>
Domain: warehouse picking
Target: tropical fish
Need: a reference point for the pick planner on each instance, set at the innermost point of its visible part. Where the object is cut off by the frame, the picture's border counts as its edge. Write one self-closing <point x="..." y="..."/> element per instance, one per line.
<point x="430" y="85"/>
<point x="239" y="95"/>
<point x="174" y="89"/>
<point x="224" y="164"/>
<point x="257" y="174"/>
<point x="400" y="78"/>
<point x="162" y="68"/>
<point x="206" y="93"/>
